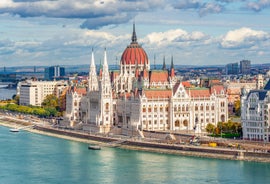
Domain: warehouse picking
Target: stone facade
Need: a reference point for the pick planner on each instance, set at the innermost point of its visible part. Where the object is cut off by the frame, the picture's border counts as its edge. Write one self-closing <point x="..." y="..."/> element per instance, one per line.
<point x="255" y="114"/>
<point x="137" y="98"/>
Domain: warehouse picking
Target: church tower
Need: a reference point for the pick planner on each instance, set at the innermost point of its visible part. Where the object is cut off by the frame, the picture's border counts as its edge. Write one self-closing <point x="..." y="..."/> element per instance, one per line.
<point x="105" y="94"/>
<point x="93" y="80"/>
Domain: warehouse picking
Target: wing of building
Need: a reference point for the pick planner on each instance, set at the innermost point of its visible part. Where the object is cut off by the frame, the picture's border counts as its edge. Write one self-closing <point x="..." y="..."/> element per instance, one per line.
<point x="137" y="98"/>
<point x="255" y="111"/>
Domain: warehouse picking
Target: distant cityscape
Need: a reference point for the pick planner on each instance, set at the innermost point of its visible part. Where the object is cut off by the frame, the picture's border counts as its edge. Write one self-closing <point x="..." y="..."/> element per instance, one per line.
<point x="15" y="74"/>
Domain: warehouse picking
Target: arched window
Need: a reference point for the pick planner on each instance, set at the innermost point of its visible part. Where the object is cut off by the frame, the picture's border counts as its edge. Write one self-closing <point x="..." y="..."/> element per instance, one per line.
<point x="107" y="106"/>
<point x="201" y="108"/>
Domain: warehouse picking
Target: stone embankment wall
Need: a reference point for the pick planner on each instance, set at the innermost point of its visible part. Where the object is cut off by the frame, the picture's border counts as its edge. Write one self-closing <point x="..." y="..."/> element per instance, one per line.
<point x="75" y="134"/>
<point x="190" y="150"/>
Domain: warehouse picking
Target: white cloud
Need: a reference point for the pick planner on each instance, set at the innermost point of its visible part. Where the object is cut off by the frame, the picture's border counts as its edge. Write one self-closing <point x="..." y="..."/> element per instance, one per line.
<point x="210" y="8"/>
<point x="97" y="13"/>
<point x="258" y="5"/>
<point x="243" y="38"/>
<point x="175" y="37"/>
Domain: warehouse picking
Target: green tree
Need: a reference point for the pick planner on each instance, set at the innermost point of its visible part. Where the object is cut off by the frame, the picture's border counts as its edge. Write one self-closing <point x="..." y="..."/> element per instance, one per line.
<point x="16" y="99"/>
<point x="51" y="101"/>
<point x="210" y="128"/>
<point x="237" y="108"/>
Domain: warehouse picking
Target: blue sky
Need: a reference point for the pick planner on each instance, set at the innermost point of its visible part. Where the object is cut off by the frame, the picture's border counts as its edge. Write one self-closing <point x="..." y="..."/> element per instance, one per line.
<point x="196" y="32"/>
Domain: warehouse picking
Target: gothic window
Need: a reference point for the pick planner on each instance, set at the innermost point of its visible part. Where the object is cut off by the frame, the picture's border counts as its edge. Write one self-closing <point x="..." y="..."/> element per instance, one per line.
<point x="183" y="108"/>
<point x="144" y="109"/>
<point x="187" y="108"/>
<point x="149" y="109"/>
<point x="222" y="104"/>
<point x="196" y="107"/>
<point x="201" y="108"/>
<point x="155" y="108"/>
<point x="107" y="106"/>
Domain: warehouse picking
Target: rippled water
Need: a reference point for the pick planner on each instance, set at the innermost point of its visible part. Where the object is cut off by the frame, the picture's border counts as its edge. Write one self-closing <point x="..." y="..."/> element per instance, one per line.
<point x="31" y="158"/>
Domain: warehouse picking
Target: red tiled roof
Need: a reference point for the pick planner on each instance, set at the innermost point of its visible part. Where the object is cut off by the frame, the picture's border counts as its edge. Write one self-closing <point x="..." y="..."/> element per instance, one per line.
<point x="158" y="76"/>
<point x="158" y="93"/>
<point x="214" y="81"/>
<point x="81" y="91"/>
<point x="186" y="84"/>
<point x="198" y="92"/>
<point x="217" y="88"/>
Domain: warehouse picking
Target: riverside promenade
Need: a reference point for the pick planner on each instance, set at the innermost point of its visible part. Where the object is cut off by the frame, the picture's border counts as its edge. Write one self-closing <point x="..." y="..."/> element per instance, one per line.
<point x="147" y="144"/>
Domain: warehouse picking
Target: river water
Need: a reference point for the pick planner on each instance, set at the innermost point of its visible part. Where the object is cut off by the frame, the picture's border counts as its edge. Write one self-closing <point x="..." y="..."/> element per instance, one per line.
<point x="29" y="158"/>
<point x="7" y="93"/>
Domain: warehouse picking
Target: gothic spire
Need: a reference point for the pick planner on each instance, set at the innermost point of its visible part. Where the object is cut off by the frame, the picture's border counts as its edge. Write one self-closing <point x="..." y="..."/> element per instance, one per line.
<point x="92" y="59"/>
<point x="134" y="37"/>
<point x="164" y="65"/>
<point x="172" y="65"/>
<point x="105" y="64"/>
<point x="92" y="81"/>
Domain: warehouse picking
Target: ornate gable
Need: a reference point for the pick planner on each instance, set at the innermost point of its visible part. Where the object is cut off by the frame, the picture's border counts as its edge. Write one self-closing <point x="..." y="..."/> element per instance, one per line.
<point x="179" y="91"/>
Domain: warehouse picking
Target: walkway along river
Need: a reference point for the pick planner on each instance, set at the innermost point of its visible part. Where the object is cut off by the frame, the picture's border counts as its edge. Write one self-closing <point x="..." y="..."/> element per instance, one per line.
<point x="130" y="143"/>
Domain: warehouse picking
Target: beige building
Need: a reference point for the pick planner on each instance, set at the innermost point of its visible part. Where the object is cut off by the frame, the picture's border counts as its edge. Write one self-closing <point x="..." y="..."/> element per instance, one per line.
<point x="34" y="92"/>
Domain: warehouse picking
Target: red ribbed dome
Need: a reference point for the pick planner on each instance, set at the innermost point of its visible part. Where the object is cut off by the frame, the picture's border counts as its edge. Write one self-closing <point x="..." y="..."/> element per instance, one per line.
<point x="134" y="53"/>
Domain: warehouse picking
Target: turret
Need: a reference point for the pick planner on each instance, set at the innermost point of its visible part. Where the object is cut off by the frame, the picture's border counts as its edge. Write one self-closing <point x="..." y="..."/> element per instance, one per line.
<point x="172" y="74"/>
<point x="93" y="80"/>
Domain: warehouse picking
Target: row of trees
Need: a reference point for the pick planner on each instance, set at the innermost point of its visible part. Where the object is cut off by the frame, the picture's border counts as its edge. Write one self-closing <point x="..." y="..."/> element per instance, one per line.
<point x="49" y="108"/>
<point x="228" y="129"/>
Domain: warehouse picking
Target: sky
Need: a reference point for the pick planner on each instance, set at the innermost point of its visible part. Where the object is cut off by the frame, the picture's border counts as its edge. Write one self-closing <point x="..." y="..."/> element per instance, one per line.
<point x="194" y="32"/>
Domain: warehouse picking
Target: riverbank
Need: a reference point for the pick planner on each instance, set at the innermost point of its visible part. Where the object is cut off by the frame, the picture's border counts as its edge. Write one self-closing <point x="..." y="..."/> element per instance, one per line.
<point x="142" y="145"/>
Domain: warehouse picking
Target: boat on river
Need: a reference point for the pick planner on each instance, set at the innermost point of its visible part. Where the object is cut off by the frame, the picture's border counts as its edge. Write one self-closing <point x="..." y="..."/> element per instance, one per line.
<point x="94" y="147"/>
<point x="14" y="130"/>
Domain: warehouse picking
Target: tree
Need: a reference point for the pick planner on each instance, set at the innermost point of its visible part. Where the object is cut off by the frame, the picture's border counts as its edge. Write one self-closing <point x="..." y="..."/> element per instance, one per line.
<point x="16" y="99"/>
<point x="210" y="128"/>
<point x="51" y="101"/>
<point x="237" y="108"/>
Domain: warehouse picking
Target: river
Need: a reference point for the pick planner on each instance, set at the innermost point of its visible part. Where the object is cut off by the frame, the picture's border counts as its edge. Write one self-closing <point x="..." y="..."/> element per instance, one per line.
<point x="28" y="158"/>
<point x="7" y="93"/>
